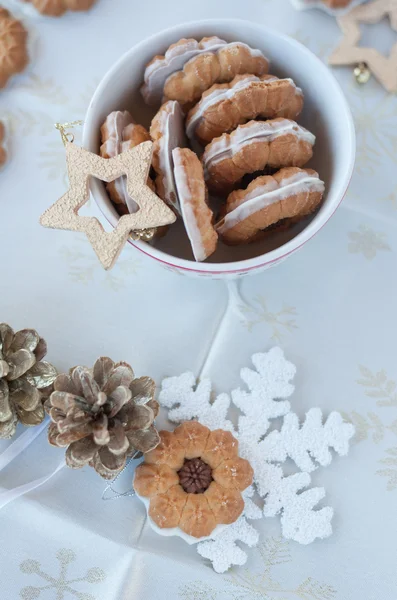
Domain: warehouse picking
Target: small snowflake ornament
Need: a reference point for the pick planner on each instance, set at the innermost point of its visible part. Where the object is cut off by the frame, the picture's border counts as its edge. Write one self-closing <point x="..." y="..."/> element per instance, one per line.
<point x="307" y="444"/>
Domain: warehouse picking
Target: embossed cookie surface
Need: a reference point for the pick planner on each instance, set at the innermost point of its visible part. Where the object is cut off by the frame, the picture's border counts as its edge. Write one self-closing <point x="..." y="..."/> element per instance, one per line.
<point x="224" y="106"/>
<point x="162" y="66"/>
<point x="219" y="65"/>
<point x="13" y="46"/>
<point x="192" y="193"/>
<point x="290" y="193"/>
<point x="252" y="147"/>
<point x="56" y="8"/>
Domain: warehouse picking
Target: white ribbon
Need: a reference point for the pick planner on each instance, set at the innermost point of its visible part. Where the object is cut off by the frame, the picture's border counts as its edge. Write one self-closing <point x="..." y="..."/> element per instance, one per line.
<point x="7" y="496"/>
<point x="14" y="450"/>
<point x="20" y="444"/>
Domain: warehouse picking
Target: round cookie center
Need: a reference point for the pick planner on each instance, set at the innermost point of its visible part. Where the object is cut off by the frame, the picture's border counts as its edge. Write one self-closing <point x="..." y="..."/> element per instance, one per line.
<point x="195" y="476"/>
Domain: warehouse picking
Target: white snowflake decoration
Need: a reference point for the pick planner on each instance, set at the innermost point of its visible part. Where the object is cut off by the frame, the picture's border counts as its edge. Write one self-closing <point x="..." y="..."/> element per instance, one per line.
<point x="307" y="445"/>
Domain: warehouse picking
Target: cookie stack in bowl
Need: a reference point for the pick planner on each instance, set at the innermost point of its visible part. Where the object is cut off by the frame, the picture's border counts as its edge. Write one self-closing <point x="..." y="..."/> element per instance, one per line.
<point x="225" y="136"/>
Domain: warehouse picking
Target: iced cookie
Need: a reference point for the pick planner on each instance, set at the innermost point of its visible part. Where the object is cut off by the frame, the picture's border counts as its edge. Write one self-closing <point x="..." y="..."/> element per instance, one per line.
<point x="290" y="193"/>
<point x="3" y="153"/>
<point x="167" y="132"/>
<point x="56" y="8"/>
<point x="118" y="134"/>
<point x="252" y="147"/>
<point x="13" y="46"/>
<point x="224" y="106"/>
<point x="217" y="66"/>
<point x="162" y="66"/>
<point x="192" y="194"/>
<point x="190" y="67"/>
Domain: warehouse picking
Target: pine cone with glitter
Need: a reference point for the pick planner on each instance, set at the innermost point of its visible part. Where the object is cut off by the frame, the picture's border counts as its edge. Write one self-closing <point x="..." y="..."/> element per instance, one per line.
<point x="102" y="416"/>
<point x="25" y="379"/>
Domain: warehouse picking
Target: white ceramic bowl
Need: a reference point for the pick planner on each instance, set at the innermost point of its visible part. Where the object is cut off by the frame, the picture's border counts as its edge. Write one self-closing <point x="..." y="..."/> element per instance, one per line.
<point x="326" y="113"/>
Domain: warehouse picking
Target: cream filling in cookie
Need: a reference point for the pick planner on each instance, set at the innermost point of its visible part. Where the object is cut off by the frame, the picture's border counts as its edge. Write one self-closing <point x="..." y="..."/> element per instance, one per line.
<point x="264" y="196"/>
<point x="220" y="95"/>
<point x="172" y="125"/>
<point x="117" y="124"/>
<point x="253" y="51"/>
<point x="257" y="131"/>
<point x="174" y="60"/>
<point x="187" y="212"/>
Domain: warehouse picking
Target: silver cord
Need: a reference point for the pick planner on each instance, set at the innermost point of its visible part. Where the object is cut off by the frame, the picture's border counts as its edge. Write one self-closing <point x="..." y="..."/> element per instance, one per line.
<point x="117" y="495"/>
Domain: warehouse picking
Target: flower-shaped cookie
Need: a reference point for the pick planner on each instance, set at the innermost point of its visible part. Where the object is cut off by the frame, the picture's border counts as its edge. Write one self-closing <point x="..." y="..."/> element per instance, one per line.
<point x="56" y="8"/>
<point x="194" y="479"/>
<point x="13" y="50"/>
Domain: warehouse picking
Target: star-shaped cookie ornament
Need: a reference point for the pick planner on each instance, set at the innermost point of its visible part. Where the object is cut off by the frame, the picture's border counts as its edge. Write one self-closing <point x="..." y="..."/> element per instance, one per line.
<point x="349" y="52"/>
<point x="82" y="165"/>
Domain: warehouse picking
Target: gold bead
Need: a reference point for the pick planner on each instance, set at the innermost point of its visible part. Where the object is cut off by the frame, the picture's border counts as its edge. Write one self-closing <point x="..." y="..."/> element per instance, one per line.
<point x="145" y="235"/>
<point x="362" y="73"/>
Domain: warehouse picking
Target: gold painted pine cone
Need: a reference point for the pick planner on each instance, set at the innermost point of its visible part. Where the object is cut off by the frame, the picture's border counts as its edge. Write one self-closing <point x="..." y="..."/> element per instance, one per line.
<point x="102" y="416"/>
<point x="25" y="379"/>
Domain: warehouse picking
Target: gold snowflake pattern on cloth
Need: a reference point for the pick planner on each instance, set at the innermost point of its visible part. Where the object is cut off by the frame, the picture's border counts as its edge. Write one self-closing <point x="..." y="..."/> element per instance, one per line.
<point x="262" y="582"/>
<point x="391" y="472"/>
<point x="371" y="426"/>
<point x="62" y="584"/>
<point x="375" y="117"/>
<point x="280" y="322"/>
<point x="377" y="385"/>
<point x="83" y="267"/>
<point x="317" y="45"/>
<point x="368" y="242"/>
<point x="390" y="199"/>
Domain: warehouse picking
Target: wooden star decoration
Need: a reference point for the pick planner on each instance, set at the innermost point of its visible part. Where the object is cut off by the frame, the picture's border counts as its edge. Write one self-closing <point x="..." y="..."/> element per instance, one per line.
<point x="348" y="52"/>
<point x="82" y="165"/>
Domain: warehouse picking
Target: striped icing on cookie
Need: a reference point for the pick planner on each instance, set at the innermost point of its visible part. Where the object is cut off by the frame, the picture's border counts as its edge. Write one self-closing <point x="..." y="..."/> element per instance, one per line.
<point x="264" y="196"/>
<point x="217" y="66"/>
<point x="220" y="94"/>
<point x="256" y="131"/>
<point x="116" y="126"/>
<point x="177" y="55"/>
<point x="168" y="133"/>
<point x="196" y="215"/>
<point x="187" y="213"/>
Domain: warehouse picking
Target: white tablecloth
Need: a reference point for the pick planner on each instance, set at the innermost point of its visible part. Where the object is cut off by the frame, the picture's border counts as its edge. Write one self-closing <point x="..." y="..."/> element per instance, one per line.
<point x="332" y="308"/>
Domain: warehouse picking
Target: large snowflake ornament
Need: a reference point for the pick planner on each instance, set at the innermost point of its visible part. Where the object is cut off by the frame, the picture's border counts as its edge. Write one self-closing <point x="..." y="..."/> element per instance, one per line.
<point x="307" y="445"/>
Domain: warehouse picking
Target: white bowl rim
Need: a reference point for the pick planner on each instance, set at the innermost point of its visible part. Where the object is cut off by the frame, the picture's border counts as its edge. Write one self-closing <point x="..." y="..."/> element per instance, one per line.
<point x="263" y="260"/>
